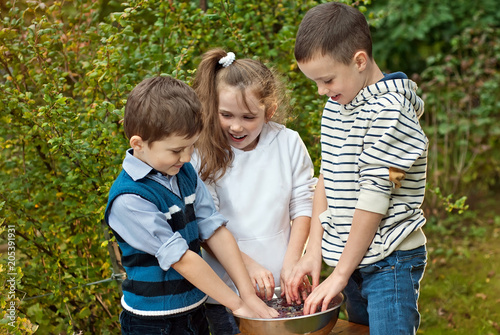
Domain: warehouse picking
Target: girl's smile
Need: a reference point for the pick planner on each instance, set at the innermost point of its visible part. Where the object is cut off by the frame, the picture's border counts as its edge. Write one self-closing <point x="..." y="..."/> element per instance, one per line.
<point x="238" y="138"/>
<point x="241" y="120"/>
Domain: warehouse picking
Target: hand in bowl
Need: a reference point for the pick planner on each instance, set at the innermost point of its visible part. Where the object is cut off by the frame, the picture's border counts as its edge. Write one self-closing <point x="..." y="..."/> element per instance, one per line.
<point x="254" y="307"/>
<point x="262" y="279"/>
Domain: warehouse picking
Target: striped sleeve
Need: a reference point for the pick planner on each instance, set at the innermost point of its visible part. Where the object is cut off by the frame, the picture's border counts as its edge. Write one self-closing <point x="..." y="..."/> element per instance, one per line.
<point x="395" y="139"/>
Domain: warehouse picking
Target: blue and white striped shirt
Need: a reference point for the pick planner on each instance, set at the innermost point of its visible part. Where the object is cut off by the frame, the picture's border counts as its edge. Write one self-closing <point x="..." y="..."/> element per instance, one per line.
<point x="377" y="132"/>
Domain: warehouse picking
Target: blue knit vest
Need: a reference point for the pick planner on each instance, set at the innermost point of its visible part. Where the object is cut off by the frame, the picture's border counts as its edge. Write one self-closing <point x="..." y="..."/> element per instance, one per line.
<point x="149" y="290"/>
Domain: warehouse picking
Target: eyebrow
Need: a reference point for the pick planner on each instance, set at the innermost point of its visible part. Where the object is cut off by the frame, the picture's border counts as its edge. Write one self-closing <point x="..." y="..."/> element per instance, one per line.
<point x="323" y="78"/>
<point x="248" y="112"/>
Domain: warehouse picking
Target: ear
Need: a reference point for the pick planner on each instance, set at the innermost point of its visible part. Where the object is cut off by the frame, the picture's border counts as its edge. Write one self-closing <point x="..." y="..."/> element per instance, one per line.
<point x="137" y="143"/>
<point x="361" y="60"/>
<point x="270" y="112"/>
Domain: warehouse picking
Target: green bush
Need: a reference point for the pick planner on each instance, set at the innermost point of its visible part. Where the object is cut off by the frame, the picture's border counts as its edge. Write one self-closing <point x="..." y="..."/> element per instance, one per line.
<point x="448" y="47"/>
<point x="462" y="91"/>
<point x="65" y="75"/>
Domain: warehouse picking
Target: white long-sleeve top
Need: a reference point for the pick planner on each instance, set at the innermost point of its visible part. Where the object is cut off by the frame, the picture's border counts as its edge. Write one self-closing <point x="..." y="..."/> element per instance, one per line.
<point x="361" y="142"/>
<point x="262" y="191"/>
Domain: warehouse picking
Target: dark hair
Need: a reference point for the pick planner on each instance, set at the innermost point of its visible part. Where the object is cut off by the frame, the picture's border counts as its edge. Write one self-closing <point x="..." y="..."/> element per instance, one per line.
<point x="214" y="151"/>
<point x="162" y="106"/>
<point x="334" y="29"/>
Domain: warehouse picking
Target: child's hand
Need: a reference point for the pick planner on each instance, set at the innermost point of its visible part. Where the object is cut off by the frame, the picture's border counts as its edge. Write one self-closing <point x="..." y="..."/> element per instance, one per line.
<point x="262" y="279"/>
<point x="305" y="288"/>
<point x="245" y="312"/>
<point x="296" y="286"/>
<point x="320" y="297"/>
<point x="257" y="308"/>
<point x="287" y="276"/>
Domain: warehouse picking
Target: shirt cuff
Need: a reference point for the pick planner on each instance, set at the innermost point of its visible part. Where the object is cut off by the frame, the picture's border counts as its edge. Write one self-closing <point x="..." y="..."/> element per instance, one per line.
<point x="171" y="251"/>
<point x="372" y="201"/>
<point x="208" y="226"/>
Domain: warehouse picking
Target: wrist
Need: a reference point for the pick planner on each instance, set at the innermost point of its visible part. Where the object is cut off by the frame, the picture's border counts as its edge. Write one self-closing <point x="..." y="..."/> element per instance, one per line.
<point x="245" y="289"/>
<point x="313" y="251"/>
<point x="236" y="304"/>
<point x="246" y="294"/>
<point x="340" y="275"/>
<point x="291" y="260"/>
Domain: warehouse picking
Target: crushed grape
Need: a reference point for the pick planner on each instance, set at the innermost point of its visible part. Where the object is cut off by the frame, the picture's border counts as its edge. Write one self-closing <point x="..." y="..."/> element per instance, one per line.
<point x="285" y="310"/>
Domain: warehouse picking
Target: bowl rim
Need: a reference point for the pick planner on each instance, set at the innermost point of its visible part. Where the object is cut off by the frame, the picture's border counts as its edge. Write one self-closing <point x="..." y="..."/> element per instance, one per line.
<point x="336" y="306"/>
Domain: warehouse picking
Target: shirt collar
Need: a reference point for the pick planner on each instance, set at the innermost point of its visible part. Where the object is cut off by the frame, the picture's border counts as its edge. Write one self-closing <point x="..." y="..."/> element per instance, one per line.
<point x="135" y="168"/>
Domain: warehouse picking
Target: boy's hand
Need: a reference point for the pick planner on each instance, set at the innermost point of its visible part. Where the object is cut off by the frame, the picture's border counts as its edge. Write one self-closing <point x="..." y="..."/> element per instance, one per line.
<point x="246" y="312"/>
<point x="321" y="296"/>
<point x="295" y="287"/>
<point x="262" y="279"/>
<point x="254" y="307"/>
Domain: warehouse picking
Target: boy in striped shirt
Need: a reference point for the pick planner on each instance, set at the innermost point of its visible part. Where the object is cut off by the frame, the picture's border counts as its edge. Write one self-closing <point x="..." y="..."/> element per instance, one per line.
<point x="367" y="221"/>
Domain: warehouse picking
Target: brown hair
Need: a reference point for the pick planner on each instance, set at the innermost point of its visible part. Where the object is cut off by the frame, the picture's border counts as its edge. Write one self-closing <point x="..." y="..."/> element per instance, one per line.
<point x="214" y="151"/>
<point x="162" y="106"/>
<point x="332" y="29"/>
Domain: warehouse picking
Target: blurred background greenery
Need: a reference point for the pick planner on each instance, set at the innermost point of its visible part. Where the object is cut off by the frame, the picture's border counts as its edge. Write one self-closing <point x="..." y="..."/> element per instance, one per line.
<point x="66" y="68"/>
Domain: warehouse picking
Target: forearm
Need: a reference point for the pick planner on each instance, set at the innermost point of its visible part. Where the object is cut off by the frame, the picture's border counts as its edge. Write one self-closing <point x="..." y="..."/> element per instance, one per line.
<point x="247" y="260"/>
<point x="363" y="229"/>
<point x="298" y="238"/>
<point x="310" y="264"/>
<point x="223" y="245"/>
<point x="320" y="205"/>
<point x="192" y="267"/>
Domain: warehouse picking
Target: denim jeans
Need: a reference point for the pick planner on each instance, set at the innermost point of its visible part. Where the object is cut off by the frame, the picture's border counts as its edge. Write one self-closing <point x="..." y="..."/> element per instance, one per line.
<point x="221" y="322"/>
<point x="190" y="323"/>
<point x="384" y="295"/>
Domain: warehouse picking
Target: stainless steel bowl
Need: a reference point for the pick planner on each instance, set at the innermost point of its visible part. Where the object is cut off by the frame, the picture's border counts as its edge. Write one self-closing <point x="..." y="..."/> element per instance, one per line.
<point x="320" y="323"/>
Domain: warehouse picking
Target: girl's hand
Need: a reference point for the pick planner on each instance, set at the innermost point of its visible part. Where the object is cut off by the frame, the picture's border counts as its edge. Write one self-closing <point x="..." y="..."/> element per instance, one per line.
<point x="287" y="276"/>
<point x="262" y="279"/>
<point x="297" y="285"/>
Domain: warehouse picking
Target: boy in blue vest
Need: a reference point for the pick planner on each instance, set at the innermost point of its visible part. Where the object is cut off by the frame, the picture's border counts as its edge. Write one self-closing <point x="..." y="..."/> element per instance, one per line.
<point x="160" y="213"/>
<point x="366" y="221"/>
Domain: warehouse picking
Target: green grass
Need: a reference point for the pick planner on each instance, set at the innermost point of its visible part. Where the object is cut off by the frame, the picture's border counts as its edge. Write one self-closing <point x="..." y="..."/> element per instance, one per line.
<point x="460" y="292"/>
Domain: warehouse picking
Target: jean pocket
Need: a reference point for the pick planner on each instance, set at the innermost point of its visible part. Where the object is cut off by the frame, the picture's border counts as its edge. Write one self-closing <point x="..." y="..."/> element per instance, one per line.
<point x="378" y="267"/>
<point x="417" y="270"/>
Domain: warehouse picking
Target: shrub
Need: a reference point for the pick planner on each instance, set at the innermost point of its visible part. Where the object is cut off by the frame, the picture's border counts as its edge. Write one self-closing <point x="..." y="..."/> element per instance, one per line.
<point x="66" y="72"/>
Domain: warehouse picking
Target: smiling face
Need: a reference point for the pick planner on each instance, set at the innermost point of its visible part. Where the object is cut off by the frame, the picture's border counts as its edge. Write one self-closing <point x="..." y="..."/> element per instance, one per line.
<point x="167" y="155"/>
<point x="337" y="80"/>
<point x="240" y="122"/>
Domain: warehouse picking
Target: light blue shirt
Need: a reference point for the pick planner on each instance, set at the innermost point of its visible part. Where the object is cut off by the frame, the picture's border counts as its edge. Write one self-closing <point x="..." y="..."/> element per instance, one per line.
<point x="142" y="225"/>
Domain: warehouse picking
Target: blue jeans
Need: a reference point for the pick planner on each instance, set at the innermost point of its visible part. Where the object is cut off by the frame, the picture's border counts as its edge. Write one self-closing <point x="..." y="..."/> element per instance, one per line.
<point x="190" y="323"/>
<point x="221" y="322"/>
<point x="384" y="295"/>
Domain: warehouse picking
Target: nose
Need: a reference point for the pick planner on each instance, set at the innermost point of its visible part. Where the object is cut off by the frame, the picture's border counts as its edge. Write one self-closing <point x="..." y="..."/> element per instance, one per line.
<point x="235" y="126"/>
<point x="322" y="90"/>
<point x="185" y="156"/>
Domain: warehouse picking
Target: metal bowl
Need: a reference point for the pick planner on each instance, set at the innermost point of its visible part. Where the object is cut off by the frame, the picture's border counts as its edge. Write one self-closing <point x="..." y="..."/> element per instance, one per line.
<point x="320" y="323"/>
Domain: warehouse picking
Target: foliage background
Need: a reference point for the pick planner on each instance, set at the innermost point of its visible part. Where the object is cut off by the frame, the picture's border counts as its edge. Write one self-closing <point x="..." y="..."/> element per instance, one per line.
<point x="66" y="68"/>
